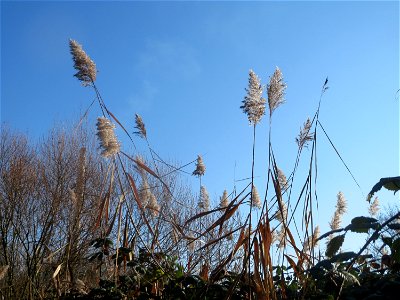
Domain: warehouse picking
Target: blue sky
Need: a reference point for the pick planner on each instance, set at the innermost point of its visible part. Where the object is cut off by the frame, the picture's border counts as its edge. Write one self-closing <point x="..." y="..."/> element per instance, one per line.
<point x="183" y="67"/>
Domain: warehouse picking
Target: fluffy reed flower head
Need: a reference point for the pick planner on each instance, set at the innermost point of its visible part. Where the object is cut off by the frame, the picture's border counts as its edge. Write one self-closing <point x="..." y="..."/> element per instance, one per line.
<point x="341" y="208"/>
<point x="106" y="135"/>
<point x="282" y="179"/>
<point x="312" y="241"/>
<point x="281" y="213"/>
<point x="256" y="197"/>
<point x="254" y="103"/>
<point x="153" y="205"/>
<point x="374" y="207"/>
<point x="140" y="126"/>
<point x="200" y="167"/>
<point x="140" y="170"/>
<point x="82" y="62"/>
<point x="204" y="199"/>
<point x="144" y="193"/>
<point x="341" y="204"/>
<point x="280" y="237"/>
<point x="305" y="135"/>
<point x="224" y="199"/>
<point x="276" y="91"/>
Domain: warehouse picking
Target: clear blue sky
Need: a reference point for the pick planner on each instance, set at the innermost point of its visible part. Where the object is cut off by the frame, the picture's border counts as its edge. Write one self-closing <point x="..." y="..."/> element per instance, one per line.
<point x="183" y="66"/>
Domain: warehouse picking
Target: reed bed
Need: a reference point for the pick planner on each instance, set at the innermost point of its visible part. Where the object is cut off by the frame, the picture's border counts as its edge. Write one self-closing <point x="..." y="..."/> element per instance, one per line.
<point x="78" y="222"/>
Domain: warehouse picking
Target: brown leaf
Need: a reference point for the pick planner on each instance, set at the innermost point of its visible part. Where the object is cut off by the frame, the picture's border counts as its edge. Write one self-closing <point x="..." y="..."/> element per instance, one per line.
<point x="204" y="271"/>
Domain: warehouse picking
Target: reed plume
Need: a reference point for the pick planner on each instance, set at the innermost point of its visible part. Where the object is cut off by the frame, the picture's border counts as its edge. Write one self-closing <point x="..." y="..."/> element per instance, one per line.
<point x="374" y="207"/>
<point x="145" y="192"/>
<point x="282" y="179"/>
<point x="153" y="204"/>
<point x="204" y="199"/>
<point x="224" y="199"/>
<point x="281" y="213"/>
<point x="341" y="208"/>
<point x="82" y="62"/>
<point x="140" y="127"/>
<point x="256" y="202"/>
<point x="312" y="240"/>
<point x="254" y="103"/>
<point x="200" y="167"/>
<point x="305" y="135"/>
<point x="106" y="135"/>
<point x="276" y="91"/>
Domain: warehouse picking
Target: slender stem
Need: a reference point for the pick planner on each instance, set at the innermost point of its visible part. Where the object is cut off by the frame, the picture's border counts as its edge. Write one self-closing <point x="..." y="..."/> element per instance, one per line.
<point x="251" y="200"/>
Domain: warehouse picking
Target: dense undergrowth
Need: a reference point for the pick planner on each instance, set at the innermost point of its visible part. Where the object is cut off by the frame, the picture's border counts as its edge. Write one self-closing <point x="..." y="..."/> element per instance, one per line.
<point x="79" y="224"/>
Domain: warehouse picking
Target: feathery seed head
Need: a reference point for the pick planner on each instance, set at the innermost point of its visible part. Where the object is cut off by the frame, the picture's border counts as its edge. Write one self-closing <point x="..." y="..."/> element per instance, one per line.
<point x="341" y="204"/>
<point x="336" y="220"/>
<point x="145" y="193"/>
<point x="281" y="213"/>
<point x="305" y="135"/>
<point x="82" y="62"/>
<point x="316" y="235"/>
<point x="204" y="201"/>
<point x="282" y="179"/>
<point x="153" y="205"/>
<point x="255" y="197"/>
<point x="341" y="208"/>
<point x="224" y="199"/>
<point x="106" y="135"/>
<point x="141" y="171"/>
<point x="254" y="103"/>
<point x="140" y="126"/>
<point x="200" y="167"/>
<point x="312" y="240"/>
<point x="374" y="207"/>
<point x="280" y="237"/>
<point x="276" y="91"/>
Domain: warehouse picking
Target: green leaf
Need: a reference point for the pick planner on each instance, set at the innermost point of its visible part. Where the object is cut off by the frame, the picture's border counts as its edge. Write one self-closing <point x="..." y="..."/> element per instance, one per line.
<point x="396" y="250"/>
<point x="363" y="224"/>
<point x="395" y="226"/>
<point x="344" y="256"/>
<point x="387" y="240"/>
<point x="334" y="245"/>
